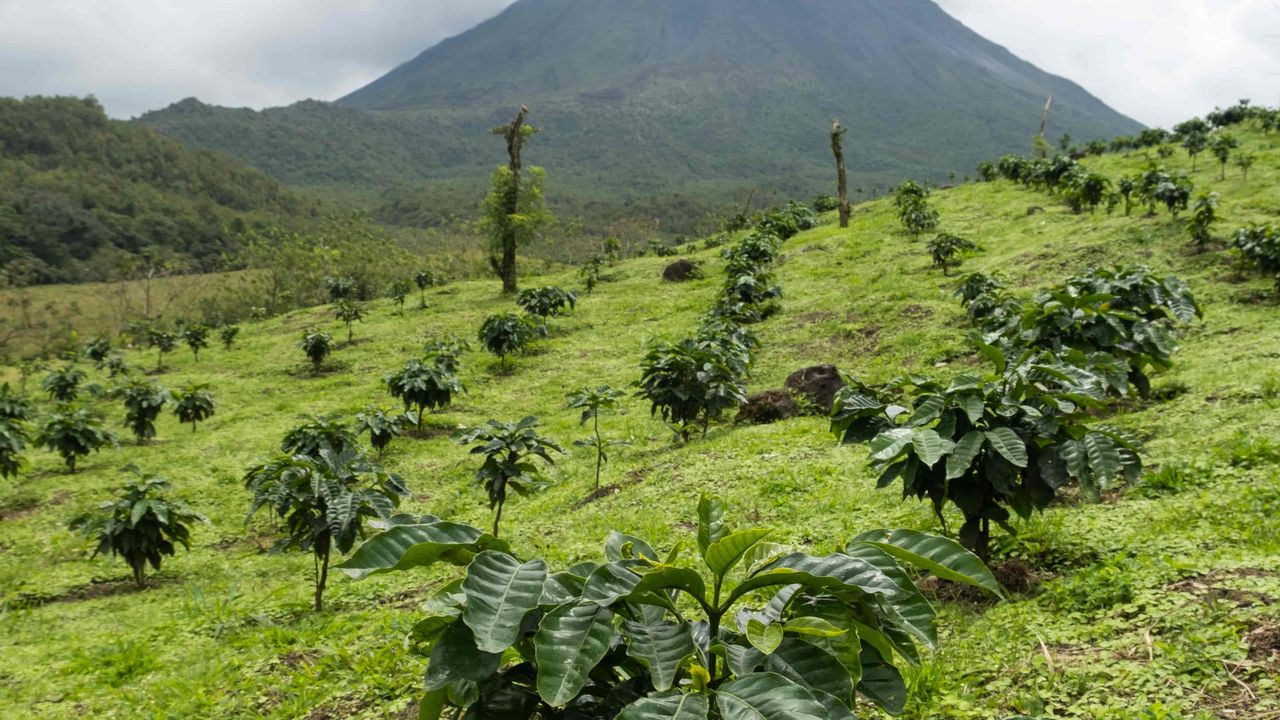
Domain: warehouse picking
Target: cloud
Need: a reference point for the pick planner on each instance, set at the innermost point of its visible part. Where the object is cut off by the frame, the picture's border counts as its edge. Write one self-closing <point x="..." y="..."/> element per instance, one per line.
<point x="1157" y="61"/>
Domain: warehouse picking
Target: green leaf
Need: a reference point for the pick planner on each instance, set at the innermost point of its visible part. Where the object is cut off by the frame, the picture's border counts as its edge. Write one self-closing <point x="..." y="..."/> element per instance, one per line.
<point x="431" y="707"/>
<point x="1009" y="445"/>
<point x="890" y="443"/>
<point x="765" y="638"/>
<point x="693" y="706"/>
<point x="930" y="447"/>
<point x="661" y="648"/>
<point x="813" y="627"/>
<point x="409" y="546"/>
<point x="610" y="583"/>
<point x="941" y="556"/>
<point x="725" y="553"/>
<point x="455" y="657"/>
<point x="767" y="696"/>
<point x="882" y="683"/>
<point x="711" y="526"/>
<point x="812" y="667"/>
<point x="831" y="573"/>
<point x="571" y="641"/>
<point x="960" y="459"/>
<point x="667" y="577"/>
<point x="1104" y="456"/>
<point x="627" y="547"/>
<point x="500" y="592"/>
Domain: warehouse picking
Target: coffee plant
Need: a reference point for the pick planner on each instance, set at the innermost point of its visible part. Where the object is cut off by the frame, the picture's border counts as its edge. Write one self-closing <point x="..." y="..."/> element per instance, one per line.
<point x="13" y="441"/>
<point x="592" y="402"/>
<point x="507" y="334"/>
<point x="317" y="346"/>
<point x="227" y="334"/>
<point x="1260" y="246"/>
<point x="74" y="434"/>
<point x="426" y="385"/>
<point x="785" y="223"/>
<point x="383" y="426"/>
<point x="63" y="385"/>
<point x="746" y="629"/>
<point x="348" y="312"/>
<point x="945" y="251"/>
<point x="592" y="272"/>
<point x="692" y="383"/>
<point x="325" y="499"/>
<point x="163" y="341"/>
<point x="144" y="400"/>
<point x="509" y="451"/>
<point x="1205" y="214"/>
<point x="341" y="288"/>
<point x="424" y="279"/>
<point x="97" y="350"/>
<point x="317" y="433"/>
<point x="194" y="405"/>
<point x="546" y="302"/>
<point x="196" y="337"/>
<point x="142" y="526"/>
<point x="397" y="292"/>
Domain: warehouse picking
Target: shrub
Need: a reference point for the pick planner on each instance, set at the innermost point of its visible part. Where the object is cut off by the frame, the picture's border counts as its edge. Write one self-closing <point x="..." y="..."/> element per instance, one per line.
<point x="789" y="221"/>
<point x="317" y="433"/>
<point x="163" y="341"/>
<point x="97" y="349"/>
<point x="750" y="297"/>
<point x="197" y="338"/>
<point x="143" y="402"/>
<point x="74" y="434"/>
<point x="1085" y="190"/>
<point x="509" y="450"/>
<point x="325" y="500"/>
<point x="228" y="335"/>
<point x="383" y="426"/>
<point x="142" y="525"/>
<point x="546" y="302"/>
<point x="1260" y="245"/>
<point x="348" y="313"/>
<point x="988" y="444"/>
<point x="1205" y="214"/>
<point x="317" y="346"/>
<point x="397" y="292"/>
<point x="754" y="252"/>
<point x="691" y="383"/>
<point x="592" y="272"/>
<point x="945" y="251"/>
<point x="63" y="385"/>
<point x="428" y="386"/>
<point x="194" y="405"/>
<point x="424" y="279"/>
<point x="114" y="366"/>
<point x="13" y="440"/>
<point x="638" y="636"/>
<point x="507" y="334"/>
<point x="825" y="203"/>
<point x="592" y="402"/>
<point x="341" y="288"/>
<point x="14" y="406"/>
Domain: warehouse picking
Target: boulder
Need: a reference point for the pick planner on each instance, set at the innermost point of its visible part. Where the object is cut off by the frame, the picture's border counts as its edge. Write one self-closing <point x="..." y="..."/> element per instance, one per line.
<point x="767" y="407"/>
<point x="817" y="385"/>
<point x="682" y="270"/>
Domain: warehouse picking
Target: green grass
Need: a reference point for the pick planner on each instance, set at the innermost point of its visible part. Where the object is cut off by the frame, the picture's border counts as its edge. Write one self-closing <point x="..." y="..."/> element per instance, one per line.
<point x="1148" y="602"/>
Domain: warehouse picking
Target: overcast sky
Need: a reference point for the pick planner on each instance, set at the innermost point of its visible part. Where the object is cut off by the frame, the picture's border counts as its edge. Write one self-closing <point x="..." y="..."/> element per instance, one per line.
<point x="1155" y="60"/>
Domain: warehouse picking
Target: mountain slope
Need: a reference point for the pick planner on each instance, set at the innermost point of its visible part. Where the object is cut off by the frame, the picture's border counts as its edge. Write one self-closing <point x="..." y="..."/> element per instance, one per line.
<point x="82" y="192"/>
<point x="648" y="97"/>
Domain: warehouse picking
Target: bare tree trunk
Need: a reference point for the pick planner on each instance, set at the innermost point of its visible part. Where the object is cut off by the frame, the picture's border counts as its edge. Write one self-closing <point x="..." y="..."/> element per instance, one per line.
<point x="837" y="147"/>
<point x="514" y="135"/>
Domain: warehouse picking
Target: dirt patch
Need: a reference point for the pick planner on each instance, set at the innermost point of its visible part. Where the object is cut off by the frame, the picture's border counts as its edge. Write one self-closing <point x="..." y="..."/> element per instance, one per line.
<point x="299" y="658"/>
<point x="917" y="312"/>
<point x="817" y="385"/>
<point x="682" y="270"/>
<point x="25" y="506"/>
<point x="1209" y="587"/>
<point x="1264" y="643"/>
<point x="1016" y="576"/>
<point x="770" y="406"/>
<point x="597" y="495"/>
<point x="95" y="590"/>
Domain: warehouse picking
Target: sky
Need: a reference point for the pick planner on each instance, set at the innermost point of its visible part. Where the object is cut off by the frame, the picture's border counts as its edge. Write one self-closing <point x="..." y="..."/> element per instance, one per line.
<point x="1157" y="61"/>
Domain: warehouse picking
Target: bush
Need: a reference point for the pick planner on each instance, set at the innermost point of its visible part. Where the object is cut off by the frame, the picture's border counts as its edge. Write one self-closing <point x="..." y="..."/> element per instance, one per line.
<point x="945" y="250"/>
<point x="692" y="383"/>
<point x="642" y="635"/>
<point x="142" y="525"/>
<point x="74" y="434"/>
<point x="789" y="221"/>
<point x="163" y="341"/>
<point x="383" y="426"/>
<point x="509" y="450"/>
<point x="228" y="335"/>
<point x="63" y="385"/>
<point x="1204" y="216"/>
<point x="317" y="346"/>
<point x="194" y="405"/>
<point x="348" y="313"/>
<point x="428" y="386"/>
<point x="143" y="402"/>
<point x="546" y="302"/>
<point x="825" y="203"/>
<point x="316" y="434"/>
<point x="1259" y="245"/>
<point x="507" y="334"/>
<point x="13" y="440"/>
<point x="196" y="337"/>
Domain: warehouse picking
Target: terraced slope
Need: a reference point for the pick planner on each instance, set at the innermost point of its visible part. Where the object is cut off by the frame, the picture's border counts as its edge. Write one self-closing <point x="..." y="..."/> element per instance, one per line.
<point x="1161" y="602"/>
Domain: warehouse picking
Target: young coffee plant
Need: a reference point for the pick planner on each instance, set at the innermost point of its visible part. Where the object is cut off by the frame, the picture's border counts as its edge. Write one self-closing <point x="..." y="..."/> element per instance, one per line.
<point x="1204" y="215"/>
<point x="992" y="445"/>
<point x="348" y="312"/>
<point x="142" y="525"/>
<point x="194" y="405"/>
<point x="63" y="384"/>
<point x="144" y="400"/>
<point x="74" y="434"/>
<point x="424" y="279"/>
<point x="509" y="451"/>
<point x="325" y="500"/>
<point x="13" y="441"/>
<point x="546" y="302"/>
<point x="785" y="223"/>
<point x="1221" y="146"/>
<point x="14" y="406"/>
<point x="592" y="272"/>
<point x="114" y="366"/>
<point x="425" y="385"/>
<point x="397" y="292"/>
<point x="163" y="341"/>
<point x="744" y="630"/>
<point x="341" y="288"/>
<point x="692" y="383"/>
<point x="507" y="334"/>
<point x="316" y="433"/>
<point x="227" y="334"/>
<point x="912" y="201"/>
<point x="196" y="337"/>
<point x="383" y="426"/>
<point x="946" y="249"/>
<point x="1246" y="161"/>
<point x="750" y="297"/>
<point x="317" y="346"/>
<point x="592" y="402"/>
<point x="97" y="350"/>
<point x="1259" y="245"/>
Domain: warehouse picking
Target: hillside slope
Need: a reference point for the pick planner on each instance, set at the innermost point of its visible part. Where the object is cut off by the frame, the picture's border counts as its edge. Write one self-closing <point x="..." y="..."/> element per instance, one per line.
<point x="638" y="98"/>
<point x="84" y="194"/>
<point x="1159" y="602"/>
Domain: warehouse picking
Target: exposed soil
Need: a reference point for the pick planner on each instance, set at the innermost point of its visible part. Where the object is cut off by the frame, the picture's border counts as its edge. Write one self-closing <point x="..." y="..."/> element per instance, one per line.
<point x="1016" y="576"/>
<point x="597" y="495"/>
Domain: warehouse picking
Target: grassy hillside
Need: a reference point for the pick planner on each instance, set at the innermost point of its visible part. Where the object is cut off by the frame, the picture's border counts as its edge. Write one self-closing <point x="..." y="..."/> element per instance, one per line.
<point x="1163" y="601"/>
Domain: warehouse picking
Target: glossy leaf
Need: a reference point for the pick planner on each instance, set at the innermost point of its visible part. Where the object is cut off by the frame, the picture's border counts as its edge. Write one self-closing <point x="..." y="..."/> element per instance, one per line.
<point x="765" y="638"/>
<point x="693" y="706"/>
<point x="500" y="591"/>
<point x="722" y="555"/>
<point x="767" y="696"/>
<point x="409" y="546"/>
<point x="941" y="556"/>
<point x="661" y="648"/>
<point x="571" y="640"/>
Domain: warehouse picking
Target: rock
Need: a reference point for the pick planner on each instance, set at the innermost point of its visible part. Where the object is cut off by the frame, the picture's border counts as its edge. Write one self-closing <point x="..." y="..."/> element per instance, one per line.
<point x="768" y="407"/>
<point x="682" y="270"/>
<point x="818" y="385"/>
<point x="1034" y="210"/>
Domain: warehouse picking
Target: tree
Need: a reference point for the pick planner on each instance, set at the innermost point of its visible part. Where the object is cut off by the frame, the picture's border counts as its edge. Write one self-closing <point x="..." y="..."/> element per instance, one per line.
<point x="163" y="341"/>
<point x="593" y="402"/>
<point x="194" y="405"/>
<point x="341" y="288"/>
<point x="74" y="434"/>
<point x="1195" y="143"/>
<point x="1245" y="162"/>
<point x="348" y="312"/>
<point x="509" y="451"/>
<point x="424" y="279"/>
<point x="945" y="250"/>
<point x="514" y="211"/>
<point x="228" y="335"/>
<point x="397" y="292"/>
<point x="144" y="400"/>
<point x="317" y="346"/>
<point x="63" y="384"/>
<point x="1205" y="214"/>
<point x="197" y="338"/>
<point x="426" y="385"/>
<point x="691" y="383"/>
<point x="842" y="180"/>
<point x="142" y="525"/>
<point x="796" y="636"/>
<point x="383" y="426"/>
<point x="1221" y="147"/>
<point x="507" y="334"/>
<point x="325" y="499"/>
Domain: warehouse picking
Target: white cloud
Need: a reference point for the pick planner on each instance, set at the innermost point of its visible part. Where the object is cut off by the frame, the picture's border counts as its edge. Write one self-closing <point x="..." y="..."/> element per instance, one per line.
<point x="1158" y="61"/>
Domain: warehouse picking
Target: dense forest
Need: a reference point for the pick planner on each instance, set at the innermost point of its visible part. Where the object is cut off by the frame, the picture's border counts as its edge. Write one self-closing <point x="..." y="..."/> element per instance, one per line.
<point x="84" y="197"/>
